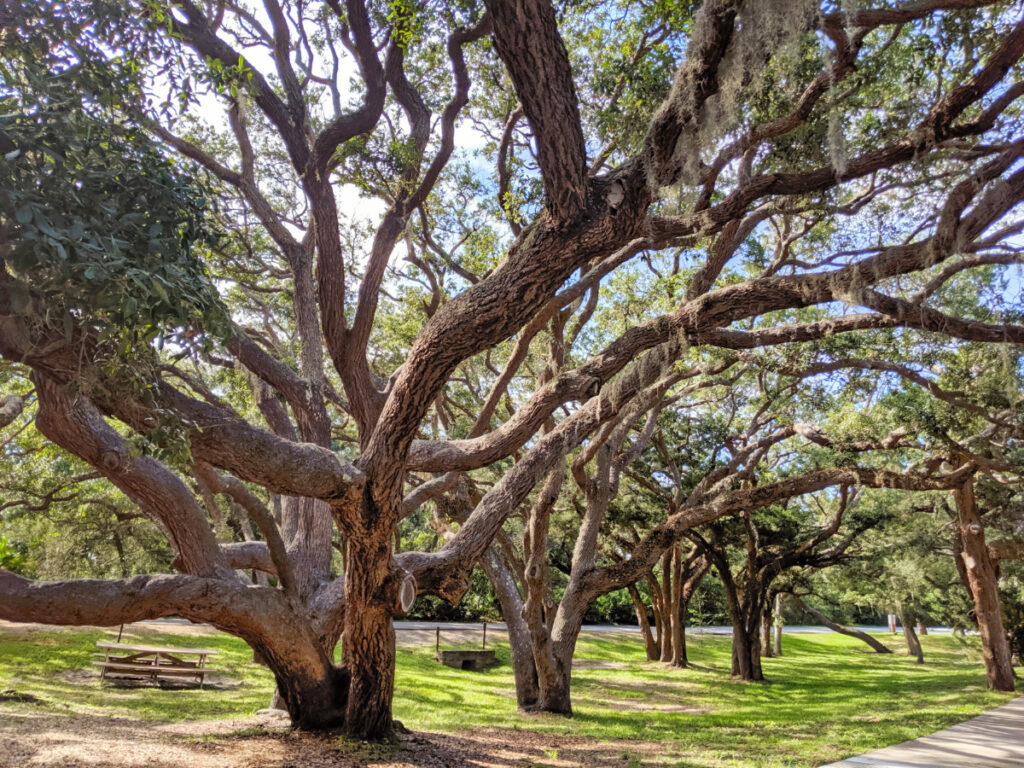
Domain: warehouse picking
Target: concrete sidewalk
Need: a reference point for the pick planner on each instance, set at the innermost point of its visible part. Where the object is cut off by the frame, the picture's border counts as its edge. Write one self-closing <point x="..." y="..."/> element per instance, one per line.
<point x="992" y="740"/>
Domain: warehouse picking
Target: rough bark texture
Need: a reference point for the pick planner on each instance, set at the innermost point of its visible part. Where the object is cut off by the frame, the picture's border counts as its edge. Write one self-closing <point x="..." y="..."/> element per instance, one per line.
<point x="369" y="641"/>
<point x="984" y="588"/>
<point x="524" y="668"/>
<point x="588" y="227"/>
<point x="313" y="689"/>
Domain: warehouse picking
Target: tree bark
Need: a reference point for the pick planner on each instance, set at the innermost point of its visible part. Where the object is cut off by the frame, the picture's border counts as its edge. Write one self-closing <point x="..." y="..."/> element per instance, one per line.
<point x="524" y="668"/>
<point x="746" y="629"/>
<point x="907" y="622"/>
<point x="984" y="589"/>
<point x="746" y="653"/>
<point x="670" y="612"/>
<point x="658" y="608"/>
<point x="369" y="644"/>
<point x="766" y="634"/>
<point x="644" y="623"/>
<point x="555" y="673"/>
<point x="777" y="644"/>
<point x="692" y="572"/>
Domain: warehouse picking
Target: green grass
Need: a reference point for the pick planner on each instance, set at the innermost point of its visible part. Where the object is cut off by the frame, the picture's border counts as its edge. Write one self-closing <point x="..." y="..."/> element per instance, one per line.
<point x="56" y="667"/>
<point x="827" y="698"/>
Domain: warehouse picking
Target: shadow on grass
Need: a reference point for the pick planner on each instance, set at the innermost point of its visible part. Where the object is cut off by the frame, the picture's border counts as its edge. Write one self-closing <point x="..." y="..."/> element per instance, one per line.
<point x="827" y="699"/>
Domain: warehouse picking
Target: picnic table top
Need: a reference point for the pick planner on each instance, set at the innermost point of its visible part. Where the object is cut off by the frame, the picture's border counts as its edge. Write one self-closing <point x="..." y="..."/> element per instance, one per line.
<point x="153" y="648"/>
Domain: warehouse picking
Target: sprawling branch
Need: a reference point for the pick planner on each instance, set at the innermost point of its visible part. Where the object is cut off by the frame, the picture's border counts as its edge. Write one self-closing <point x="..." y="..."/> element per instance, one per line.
<point x="645" y="555"/>
<point x="526" y="37"/>
<point x="75" y="425"/>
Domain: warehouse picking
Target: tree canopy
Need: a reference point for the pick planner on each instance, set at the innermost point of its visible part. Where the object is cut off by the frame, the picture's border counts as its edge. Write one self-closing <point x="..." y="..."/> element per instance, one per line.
<point x="362" y="294"/>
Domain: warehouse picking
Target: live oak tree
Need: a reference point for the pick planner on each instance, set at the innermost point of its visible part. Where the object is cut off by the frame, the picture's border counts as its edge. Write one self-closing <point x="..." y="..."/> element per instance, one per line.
<point x="801" y="159"/>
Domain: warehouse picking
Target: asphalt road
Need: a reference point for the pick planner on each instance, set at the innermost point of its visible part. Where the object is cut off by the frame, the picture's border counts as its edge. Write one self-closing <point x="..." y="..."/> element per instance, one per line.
<point x="463" y="626"/>
<point x="457" y="626"/>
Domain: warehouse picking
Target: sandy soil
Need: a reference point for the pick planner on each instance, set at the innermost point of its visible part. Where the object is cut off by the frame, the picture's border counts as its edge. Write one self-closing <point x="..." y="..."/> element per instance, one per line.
<point x="49" y="741"/>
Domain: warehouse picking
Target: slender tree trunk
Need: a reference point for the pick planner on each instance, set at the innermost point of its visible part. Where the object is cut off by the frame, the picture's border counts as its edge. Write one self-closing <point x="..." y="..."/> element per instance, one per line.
<point x="524" y="668"/>
<point x="669" y="564"/>
<point x="645" y="625"/>
<point x="691" y="575"/>
<point x="777" y="644"/>
<point x="913" y="644"/>
<point x="921" y="628"/>
<point x="679" y="636"/>
<point x="984" y="588"/>
<point x="658" y="608"/>
<point x="766" y="633"/>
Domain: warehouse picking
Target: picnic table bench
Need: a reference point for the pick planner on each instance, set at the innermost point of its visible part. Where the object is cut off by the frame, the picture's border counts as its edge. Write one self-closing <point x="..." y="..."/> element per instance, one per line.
<point x="151" y="662"/>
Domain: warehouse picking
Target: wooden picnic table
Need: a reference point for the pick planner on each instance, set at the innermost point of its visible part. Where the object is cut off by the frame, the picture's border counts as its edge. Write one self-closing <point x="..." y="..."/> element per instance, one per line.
<point x="151" y="662"/>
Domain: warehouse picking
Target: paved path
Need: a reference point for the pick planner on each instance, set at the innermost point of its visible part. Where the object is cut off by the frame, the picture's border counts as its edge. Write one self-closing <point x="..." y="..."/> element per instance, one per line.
<point x="992" y="740"/>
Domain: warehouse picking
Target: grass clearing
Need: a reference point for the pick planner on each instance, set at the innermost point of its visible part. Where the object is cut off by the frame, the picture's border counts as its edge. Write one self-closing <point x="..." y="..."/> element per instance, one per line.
<point x="828" y="696"/>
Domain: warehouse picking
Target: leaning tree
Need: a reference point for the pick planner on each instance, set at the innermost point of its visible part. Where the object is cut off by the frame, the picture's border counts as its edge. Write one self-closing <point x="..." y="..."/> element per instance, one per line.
<point x="875" y="150"/>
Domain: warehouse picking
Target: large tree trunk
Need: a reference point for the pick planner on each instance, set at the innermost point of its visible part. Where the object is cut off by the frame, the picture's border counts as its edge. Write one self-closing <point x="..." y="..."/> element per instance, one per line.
<point x="984" y="589"/>
<point x="746" y="652"/>
<point x="555" y="686"/>
<point x="849" y="631"/>
<point x="369" y="639"/>
<point x="746" y="641"/>
<point x="554" y="669"/>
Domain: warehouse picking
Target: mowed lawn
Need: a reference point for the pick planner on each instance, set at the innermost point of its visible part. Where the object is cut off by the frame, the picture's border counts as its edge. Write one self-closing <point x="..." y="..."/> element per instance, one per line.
<point x="828" y="696"/>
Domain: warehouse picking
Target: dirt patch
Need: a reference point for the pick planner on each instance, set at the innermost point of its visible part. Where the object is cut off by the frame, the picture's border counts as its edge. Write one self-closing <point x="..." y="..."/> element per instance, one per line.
<point x="593" y="664"/>
<point x="49" y="741"/>
<point x="633" y="705"/>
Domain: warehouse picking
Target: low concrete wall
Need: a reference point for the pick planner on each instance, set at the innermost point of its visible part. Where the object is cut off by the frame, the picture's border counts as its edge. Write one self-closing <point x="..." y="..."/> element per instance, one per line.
<point x="467" y="659"/>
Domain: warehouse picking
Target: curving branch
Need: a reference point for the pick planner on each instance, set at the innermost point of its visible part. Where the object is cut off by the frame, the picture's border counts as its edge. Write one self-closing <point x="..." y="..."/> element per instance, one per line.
<point x="527" y="40"/>
<point x="74" y="424"/>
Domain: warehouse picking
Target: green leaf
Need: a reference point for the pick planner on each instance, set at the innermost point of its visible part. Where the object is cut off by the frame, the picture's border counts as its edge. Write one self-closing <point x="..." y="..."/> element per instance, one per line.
<point x="23" y="215"/>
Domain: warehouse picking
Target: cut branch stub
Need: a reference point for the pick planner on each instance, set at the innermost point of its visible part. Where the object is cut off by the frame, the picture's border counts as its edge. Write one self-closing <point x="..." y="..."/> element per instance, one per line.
<point x="398" y="591"/>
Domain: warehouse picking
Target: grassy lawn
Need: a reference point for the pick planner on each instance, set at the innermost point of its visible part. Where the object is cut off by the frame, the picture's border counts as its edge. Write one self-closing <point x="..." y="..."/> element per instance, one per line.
<point x="827" y="698"/>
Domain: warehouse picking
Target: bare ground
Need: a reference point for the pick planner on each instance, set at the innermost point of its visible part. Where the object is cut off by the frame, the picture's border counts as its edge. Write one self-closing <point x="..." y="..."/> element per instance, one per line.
<point x="49" y="741"/>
